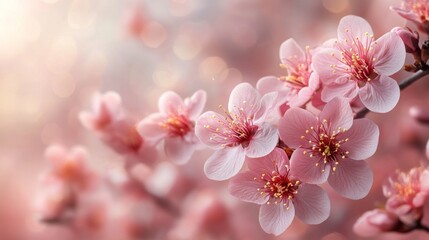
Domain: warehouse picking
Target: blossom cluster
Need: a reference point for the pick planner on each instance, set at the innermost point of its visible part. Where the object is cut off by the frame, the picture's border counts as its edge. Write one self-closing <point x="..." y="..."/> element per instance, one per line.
<point x="276" y="142"/>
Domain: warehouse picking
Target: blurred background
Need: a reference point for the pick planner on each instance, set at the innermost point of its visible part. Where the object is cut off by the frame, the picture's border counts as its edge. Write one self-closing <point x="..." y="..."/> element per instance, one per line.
<point x="55" y="54"/>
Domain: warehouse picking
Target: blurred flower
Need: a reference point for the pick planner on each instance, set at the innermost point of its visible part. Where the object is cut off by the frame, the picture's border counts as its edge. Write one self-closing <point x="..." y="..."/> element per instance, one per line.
<point x="374" y="222"/>
<point x="416" y="11"/>
<point x="174" y="124"/>
<point x="331" y="143"/>
<point x="420" y="114"/>
<point x="355" y="64"/>
<point x="68" y="177"/>
<point x="407" y="193"/>
<point x="272" y="184"/>
<point x="241" y="133"/>
<point x="117" y="129"/>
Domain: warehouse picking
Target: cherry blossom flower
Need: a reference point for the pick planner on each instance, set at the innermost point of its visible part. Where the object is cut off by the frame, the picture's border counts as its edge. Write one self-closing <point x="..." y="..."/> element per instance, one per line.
<point x="242" y="132"/>
<point x="272" y="184"/>
<point x="356" y="64"/>
<point x="407" y="193"/>
<point x="416" y="11"/>
<point x="374" y="222"/>
<point x="117" y="129"/>
<point x="328" y="147"/>
<point x="301" y="82"/>
<point x="174" y="124"/>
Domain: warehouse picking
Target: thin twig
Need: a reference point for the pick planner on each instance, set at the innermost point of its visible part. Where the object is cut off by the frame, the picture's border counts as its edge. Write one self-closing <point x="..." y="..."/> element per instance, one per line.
<point x="405" y="83"/>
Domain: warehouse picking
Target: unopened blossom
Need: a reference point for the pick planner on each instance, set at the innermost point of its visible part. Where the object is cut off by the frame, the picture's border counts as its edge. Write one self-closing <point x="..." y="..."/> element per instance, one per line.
<point x="410" y="39"/>
<point x="174" y="124"/>
<point x="299" y="85"/>
<point x="358" y="65"/>
<point x="416" y="11"/>
<point x="407" y="193"/>
<point x="330" y="146"/>
<point x="242" y="132"/>
<point x="273" y="184"/>
<point x="117" y="129"/>
<point x="374" y="222"/>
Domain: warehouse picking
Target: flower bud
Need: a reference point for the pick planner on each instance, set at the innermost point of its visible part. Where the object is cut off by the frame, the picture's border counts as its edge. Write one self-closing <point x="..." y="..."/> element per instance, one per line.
<point x="410" y="39"/>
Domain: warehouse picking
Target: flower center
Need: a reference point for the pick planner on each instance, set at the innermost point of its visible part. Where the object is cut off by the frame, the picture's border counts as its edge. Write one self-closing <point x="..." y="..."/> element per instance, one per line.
<point x="325" y="144"/>
<point x="278" y="187"/>
<point x="235" y="129"/>
<point x="177" y="125"/>
<point x="406" y="185"/>
<point x="357" y="57"/>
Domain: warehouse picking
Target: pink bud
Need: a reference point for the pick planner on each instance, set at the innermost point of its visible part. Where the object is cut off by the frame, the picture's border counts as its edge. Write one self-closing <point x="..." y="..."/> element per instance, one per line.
<point x="420" y="114"/>
<point x="410" y="39"/>
<point x="374" y="222"/>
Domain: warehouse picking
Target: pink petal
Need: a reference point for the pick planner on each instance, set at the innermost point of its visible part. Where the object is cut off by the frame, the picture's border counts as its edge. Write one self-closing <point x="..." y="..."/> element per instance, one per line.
<point x="312" y="204"/>
<point x="149" y="128"/>
<point x="195" y="104"/>
<point x="351" y="27"/>
<point x="294" y="124"/>
<point x="244" y="99"/>
<point x="244" y="187"/>
<point x="304" y="168"/>
<point x="88" y="120"/>
<point x="269" y="84"/>
<point x="178" y="150"/>
<point x="277" y="158"/>
<point x="380" y="94"/>
<point x="352" y="179"/>
<point x="112" y="101"/>
<point x="276" y="218"/>
<point x="224" y="163"/>
<point x="56" y="154"/>
<point x="263" y="142"/>
<point x="407" y="14"/>
<point x="269" y="102"/>
<point x="424" y="181"/>
<point x="338" y="113"/>
<point x="363" y="139"/>
<point x="304" y="95"/>
<point x="322" y="62"/>
<point x="313" y="81"/>
<point x="169" y="102"/>
<point x="291" y="51"/>
<point x="348" y="89"/>
<point x="205" y="129"/>
<point x="389" y="54"/>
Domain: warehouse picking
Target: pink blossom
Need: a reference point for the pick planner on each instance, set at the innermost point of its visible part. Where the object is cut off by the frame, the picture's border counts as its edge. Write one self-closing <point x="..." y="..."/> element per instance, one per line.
<point x="300" y="83"/>
<point x="68" y="176"/>
<point x="416" y="11"/>
<point x="407" y="193"/>
<point x="242" y="132"/>
<point x="70" y="167"/>
<point x="328" y="147"/>
<point x="374" y="222"/>
<point x="174" y="124"/>
<point x="117" y="129"/>
<point x="356" y="64"/>
<point x="272" y="184"/>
